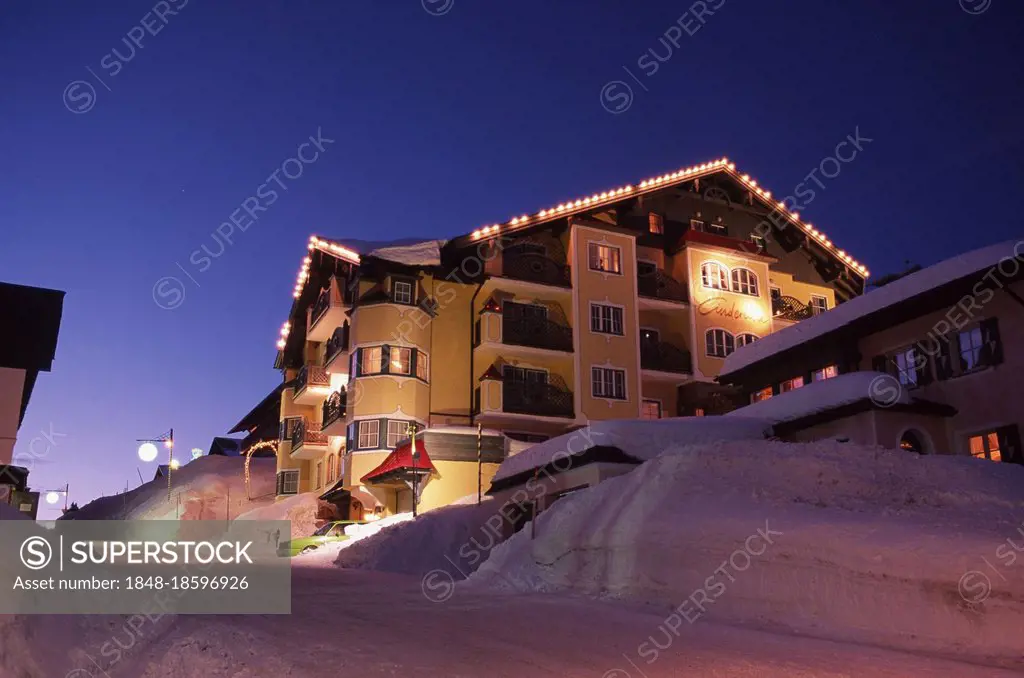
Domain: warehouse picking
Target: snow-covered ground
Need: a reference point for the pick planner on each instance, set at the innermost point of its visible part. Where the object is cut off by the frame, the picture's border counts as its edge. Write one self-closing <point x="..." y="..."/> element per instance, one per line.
<point x="830" y="540"/>
<point x="207" y="488"/>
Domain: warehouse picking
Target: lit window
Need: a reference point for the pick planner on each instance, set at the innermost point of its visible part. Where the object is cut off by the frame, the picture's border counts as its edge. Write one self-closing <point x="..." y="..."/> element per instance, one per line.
<point x="763" y="394"/>
<point x="744" y="282"/>
<point x="791" y="384"/>
<point x="971" y="344"/>
<point x="986" y="446"/>
<point x="818" y="304"/>
<point x="371" y="360"/>
<point x="605" y="258"/>
<point x="401" y="360"/>
<point x="650" y="409"/>
<point x="397" y="431"/>
<point x="607" y="382"/>
<point x="606" y="319"/>
<point x="759" y="242"/>
<point x="718" y="343"/>
<point x="696" y="225"/>
<point x="423" y="366"/>
<point x="826" y="373"/>
<point x="698" y="411"/>
<point x="401" y="292"/>
<point x="745" y="338"/>
<point x="369" y="434"/>
<point x="714" y="276"/>
<point x="656" y="223"/>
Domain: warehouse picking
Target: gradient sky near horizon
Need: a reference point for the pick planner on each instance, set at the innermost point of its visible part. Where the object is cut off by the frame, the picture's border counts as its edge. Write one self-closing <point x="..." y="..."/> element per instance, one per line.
<point x="444" y="115"/>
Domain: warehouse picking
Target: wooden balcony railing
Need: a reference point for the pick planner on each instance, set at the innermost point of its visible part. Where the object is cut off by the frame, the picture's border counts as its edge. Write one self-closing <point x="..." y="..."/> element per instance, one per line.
<point x="790" y="308"/>
<point x="311" y="375"/>
<point x="540" y="399"/>
<point x="660" y="285"/>
<point x="337" y="343"/>
<point x="305" y="432"/>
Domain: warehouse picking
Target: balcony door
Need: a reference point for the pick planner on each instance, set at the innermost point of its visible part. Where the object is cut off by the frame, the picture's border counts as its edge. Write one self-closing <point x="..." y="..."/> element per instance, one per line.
<point x="512" y="310"/>
<point x="523" y="375"/>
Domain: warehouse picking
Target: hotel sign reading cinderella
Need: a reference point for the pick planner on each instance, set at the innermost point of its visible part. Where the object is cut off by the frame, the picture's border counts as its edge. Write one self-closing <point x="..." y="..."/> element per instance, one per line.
<point x="750" y="311"/>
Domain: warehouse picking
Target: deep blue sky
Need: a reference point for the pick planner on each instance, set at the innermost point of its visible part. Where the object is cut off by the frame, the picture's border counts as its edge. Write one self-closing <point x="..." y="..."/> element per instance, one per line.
<point x="442" y="124"/>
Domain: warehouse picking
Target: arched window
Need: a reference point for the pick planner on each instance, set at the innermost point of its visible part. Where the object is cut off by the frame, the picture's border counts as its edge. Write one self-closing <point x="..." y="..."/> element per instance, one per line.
<point x="714" y="275"/>
<point x="912" y="441"/>
<point x="744" y="281"/>
<point x="718" y="343"/>
<point x="745" y="338"/>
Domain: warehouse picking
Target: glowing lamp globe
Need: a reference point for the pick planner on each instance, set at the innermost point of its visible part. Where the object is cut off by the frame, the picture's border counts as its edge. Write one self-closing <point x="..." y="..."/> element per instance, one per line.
<point x="52" y="497"/>
<point x="175" y="464"/>
<point x="147" y="452"/>
<point x="196" y="453"/>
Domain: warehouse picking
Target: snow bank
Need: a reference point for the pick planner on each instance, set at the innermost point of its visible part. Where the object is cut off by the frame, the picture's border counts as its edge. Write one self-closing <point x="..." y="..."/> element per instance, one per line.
<point x="832" y="540"/>
<point x="639" y="438"/>
<point x="207" y="488"/>
<point x="328" y="553"/>
<point x="300" y="510"/>
<point x="821" y="396"/>
<point x="895" y="292"/>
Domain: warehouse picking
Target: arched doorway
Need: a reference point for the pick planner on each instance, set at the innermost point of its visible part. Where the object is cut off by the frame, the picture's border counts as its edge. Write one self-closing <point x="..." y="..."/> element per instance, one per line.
<point x="913" y="441"/>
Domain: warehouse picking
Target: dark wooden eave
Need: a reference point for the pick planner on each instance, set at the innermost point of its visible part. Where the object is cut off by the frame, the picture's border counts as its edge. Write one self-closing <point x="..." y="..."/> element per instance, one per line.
<point x="917" y="406"/>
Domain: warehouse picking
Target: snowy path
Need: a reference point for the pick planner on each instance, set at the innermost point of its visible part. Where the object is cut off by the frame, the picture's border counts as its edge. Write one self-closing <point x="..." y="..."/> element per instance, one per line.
<point x="349" y="623"/>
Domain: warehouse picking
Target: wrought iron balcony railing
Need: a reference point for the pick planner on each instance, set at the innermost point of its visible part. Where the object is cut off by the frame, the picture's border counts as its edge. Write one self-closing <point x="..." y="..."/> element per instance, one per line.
<point x="660" y="285"/>
<point x="305" y="432"/>
<point x="665" y="357"/>
<point x="337" y="343"/>
<point x="537" y="268"/>
<point x="311" y="375"/>
<point x="545" y="400"/>
<point x="536" y="332"/>
<point x="790" y="308"/>
<point x="334" y="408"/>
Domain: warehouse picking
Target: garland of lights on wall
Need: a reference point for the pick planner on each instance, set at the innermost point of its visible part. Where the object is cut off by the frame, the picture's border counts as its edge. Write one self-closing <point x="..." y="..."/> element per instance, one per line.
<point x="585" y="203"/>
<point x="264" y="444"/>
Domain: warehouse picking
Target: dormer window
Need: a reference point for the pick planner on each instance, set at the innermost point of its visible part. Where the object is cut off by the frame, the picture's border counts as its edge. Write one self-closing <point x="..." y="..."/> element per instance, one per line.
<point x="656" y="223"/>
<point x="696" y="225"/>
<point x="718" y="227"/>
<point x="401" y="291"/>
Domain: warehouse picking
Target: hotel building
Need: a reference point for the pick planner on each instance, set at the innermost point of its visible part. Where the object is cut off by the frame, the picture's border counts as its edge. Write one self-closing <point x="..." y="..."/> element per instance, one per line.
<point x="622" y="304"/>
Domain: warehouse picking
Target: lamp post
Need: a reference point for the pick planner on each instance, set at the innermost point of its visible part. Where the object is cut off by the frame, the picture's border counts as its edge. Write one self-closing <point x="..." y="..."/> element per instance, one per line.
<point x="53" y="496"/>
<point x="148" y="452"/>
<point x="411" y="430"/>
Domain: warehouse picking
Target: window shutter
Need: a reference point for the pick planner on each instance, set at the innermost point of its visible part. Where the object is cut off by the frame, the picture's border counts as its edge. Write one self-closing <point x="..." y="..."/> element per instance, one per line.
<point x="944" y="361"/>
<point x="413" y="354"/>
<point x="385" y="359"/>
<point x="880" y="364"/>
<point x="992" y="346"/>
<point x="1009" y="444"/>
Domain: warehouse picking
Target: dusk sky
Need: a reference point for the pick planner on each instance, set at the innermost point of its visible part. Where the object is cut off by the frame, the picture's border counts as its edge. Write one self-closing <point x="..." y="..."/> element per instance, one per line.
<point x="442" y="116"/>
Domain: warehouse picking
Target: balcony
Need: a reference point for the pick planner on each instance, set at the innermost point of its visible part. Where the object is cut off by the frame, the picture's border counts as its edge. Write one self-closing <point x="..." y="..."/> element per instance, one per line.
<point x="336" y="353"/>
<point x="334" y="414"/>
<point x="536" y="268"/>
<point x="536" y="332"/>
<point x="661" y="356"/>
<point x="790" y="308"/>
<point x="524" y="398"/>
<point x="661" y="286"/>
<point x="328" y="312"/>
<point x="308" y="441"/>
<point x="311" y="385"/>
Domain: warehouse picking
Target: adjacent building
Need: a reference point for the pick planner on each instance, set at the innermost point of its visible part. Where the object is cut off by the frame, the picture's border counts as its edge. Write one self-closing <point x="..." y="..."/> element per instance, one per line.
<point x="622" y="304"/>
<point x="929" y="363"/>
<point x="31" y="318"/>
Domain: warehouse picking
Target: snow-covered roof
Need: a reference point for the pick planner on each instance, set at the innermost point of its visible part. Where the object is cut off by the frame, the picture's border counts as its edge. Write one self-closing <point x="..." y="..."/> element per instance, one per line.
<point x="822" y="396"/>
<point x="859" y="307"/>
<point x="408" y="251"/>
<point x="639" y="438"/>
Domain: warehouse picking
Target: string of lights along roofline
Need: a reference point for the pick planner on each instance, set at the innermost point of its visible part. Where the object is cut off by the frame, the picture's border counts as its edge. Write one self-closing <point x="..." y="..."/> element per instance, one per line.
<point x="580" y="204"/>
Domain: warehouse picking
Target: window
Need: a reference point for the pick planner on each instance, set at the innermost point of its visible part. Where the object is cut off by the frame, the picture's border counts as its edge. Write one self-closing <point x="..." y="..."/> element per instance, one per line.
<point x="605" y="258"/>
<point x="288" y="482"/>
<point x="369" y="434"/>
<point x="718" y="227"/>
<point x="763" y="394"/>
<point x="371" y="360"/>
<point x="646" y="269"/>
<point x="698" y="411"/>
<point x="606" y="319"/>
<point x="656" y="223"/>
<point x="906" y="362"/>
<point x="650" y="409"/>
<point x="986" y="446"/>
<point x="523" y="375"/>
<point x="319" y="473"/>
<point x="825" y="373"/>
<point x="714" y="275"/>
<point x="608" y="382"/>
<point x="759" y="242"/>
<point x="776" y="292"/>
<point x="423" y="366"/>
<point x="745" y="338"/>
<point x="401" y="292"/>
<point x="819" y="304"/>
<point x="718" y="343"/>
<point x="744" y="281"/>
<point x="791" y="384"/>
<point x="397" y="431"/>
<point x="696" y="225"/>
<point x="971" y="343"/>
<point x="401" y="360"/>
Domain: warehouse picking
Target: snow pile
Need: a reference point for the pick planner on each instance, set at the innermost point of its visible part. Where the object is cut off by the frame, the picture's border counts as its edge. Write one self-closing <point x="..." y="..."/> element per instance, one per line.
<point x="832" y="540"/>
<point x="895" y="292"/>
<point x="207" y="488"/>
<point x="821" y="396"/>
<point x="300" y="510"/>
<point x="640" y="438"/>
<point x="327" y="553"/>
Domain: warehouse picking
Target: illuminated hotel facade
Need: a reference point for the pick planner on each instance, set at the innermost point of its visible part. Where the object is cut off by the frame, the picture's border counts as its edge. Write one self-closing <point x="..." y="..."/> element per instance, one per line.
<point x="622" y="304"/>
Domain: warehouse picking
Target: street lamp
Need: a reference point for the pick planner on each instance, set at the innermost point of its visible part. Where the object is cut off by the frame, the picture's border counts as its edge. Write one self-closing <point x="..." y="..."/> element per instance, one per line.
<point x="148" y="452"/>
<point x="411" y="430"/>
<point x="53" y="496"/>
